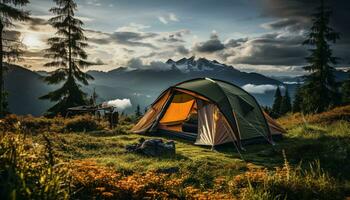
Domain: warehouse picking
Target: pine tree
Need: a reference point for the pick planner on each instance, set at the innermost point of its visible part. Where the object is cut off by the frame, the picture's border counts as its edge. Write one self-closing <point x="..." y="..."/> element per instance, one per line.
<point x="68" y="56"/>
<point x="10" y="50"/>
<point x="320" y="90"/>
<point x="286" y="105"/>
<point x="93" y="98"/>
<point x="298" y="99"/>
<point x="138" y="111"/>
<point x="276" y="107"/>
<point x="345" y="91"/>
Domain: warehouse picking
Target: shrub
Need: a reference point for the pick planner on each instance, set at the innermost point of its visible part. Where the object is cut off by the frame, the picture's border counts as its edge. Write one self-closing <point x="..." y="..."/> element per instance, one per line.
<point x="10" y="123"/>
<point x="36" y="124"/>
<point x="82" y="124"/>
<point x="26" y="173"/>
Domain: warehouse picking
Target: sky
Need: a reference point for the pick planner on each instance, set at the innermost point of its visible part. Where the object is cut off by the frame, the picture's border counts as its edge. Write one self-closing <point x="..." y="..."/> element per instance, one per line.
<point x="263" y="36"/>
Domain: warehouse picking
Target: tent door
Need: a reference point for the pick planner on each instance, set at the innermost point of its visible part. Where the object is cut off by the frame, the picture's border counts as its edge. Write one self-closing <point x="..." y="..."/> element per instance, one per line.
<point x="213" y="128"/>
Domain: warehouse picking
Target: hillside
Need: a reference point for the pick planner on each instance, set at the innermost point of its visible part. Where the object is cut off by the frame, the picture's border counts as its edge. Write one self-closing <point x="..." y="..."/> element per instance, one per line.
<point x="141" y="85"/>
<point x="24" y="88"/>
<point x="311" y="162"/>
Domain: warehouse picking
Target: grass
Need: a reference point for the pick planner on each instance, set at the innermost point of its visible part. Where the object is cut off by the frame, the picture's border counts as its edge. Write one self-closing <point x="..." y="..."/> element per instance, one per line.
<point x="315" y="151"/>
<point x="328" y="143"/>
<point x="109" y="150"/>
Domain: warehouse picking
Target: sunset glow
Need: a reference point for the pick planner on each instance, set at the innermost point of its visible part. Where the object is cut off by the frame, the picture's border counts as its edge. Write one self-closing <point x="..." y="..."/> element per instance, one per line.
<point x="33" y="41"/>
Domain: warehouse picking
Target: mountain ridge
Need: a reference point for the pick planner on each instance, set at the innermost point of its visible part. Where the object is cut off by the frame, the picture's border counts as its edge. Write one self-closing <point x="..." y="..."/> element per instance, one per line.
<point x="140" y="85"/>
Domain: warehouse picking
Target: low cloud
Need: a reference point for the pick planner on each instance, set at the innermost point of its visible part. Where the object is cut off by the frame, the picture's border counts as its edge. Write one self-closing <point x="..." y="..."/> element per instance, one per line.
<point x="120" y="104"/>
<point x="260" y="89"/>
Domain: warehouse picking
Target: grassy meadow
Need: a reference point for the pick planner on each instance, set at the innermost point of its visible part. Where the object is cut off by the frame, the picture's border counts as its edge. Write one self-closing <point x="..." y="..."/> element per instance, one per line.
<point x="80" y="158"/>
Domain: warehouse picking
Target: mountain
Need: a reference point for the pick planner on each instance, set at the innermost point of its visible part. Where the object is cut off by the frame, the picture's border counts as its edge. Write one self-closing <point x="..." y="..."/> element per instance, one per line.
<point x="183" y="69"/>
<point x="148" y="83"/>
<point x="24" y="88"/>
<point x="139" y="85"/>
<point x="339" y="75"/>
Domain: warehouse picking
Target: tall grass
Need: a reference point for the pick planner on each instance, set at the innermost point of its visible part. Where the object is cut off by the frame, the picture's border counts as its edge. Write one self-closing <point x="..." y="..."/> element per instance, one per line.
<point x="288" y="182"/>
<point x="27" y="173"/>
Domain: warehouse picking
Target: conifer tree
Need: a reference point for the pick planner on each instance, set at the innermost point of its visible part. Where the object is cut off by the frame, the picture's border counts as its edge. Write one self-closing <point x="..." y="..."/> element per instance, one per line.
<point x="68" y="57"/>
<point x="297" y="100"/>
<point x="345" y="91"/>
<point x="320" y="90"/>
<point x="285" y="104"/>
<point x="93" y="98"/>
<point x="138" y="111"/>
<point x="10" y="11"/>
<point x="276" y="107"/>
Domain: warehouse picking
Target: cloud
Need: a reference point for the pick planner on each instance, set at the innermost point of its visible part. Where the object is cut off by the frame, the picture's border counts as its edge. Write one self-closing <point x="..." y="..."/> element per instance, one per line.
<point x="260" y="89"/>
<point x="296" y="16"/>
<point x="132" y="27"/>
<point x="94" y="3"/>
<point x="37" y="23"/>
<point x="210" y="46"/>
<point x="11" y="35"/>
<point x="235" y="42"/>
<point x="98" y="61"/>
<point x="133" y="38"/>
<point x="173" y="17"/>
<point x="289" y="24"/>
<point x="182" y="50"/>
<point x="128" y="38"/>
<point x="137" y="63"/>
<point x="175" y="37"/>
<point x="268" y="49"/>
<point x="163" y="20"/>
<point x="120" y="104"/>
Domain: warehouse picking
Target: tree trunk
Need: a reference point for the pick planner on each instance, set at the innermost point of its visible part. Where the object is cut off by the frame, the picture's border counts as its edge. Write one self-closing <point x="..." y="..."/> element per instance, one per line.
<point x="2" y="96"/>
<point x="70" y="50"/>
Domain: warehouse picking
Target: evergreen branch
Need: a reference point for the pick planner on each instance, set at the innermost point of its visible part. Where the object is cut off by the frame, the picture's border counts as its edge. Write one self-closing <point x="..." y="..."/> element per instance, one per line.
<point x="11" y="13"/>
<point x="56" y="76"/>
<point x="16" y="2"/>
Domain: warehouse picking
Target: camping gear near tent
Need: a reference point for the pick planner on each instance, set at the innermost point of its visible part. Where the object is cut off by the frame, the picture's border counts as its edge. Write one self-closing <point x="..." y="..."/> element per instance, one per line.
<point x="210" y="111"/>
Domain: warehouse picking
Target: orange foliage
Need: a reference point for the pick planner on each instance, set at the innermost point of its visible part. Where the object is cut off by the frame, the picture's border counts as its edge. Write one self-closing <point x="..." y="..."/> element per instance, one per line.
<point x="91" y="179"/>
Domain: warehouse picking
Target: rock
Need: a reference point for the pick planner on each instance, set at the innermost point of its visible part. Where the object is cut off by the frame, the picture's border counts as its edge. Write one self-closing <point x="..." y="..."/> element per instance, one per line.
<point x="153" y="147"/>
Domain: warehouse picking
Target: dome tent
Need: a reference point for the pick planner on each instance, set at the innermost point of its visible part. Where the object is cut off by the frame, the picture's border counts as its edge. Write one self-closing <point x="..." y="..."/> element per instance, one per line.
<point x="210" y="111"/>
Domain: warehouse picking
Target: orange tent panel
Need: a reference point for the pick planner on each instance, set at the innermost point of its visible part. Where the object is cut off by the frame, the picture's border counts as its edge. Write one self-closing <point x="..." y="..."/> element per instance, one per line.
<point x="177" y="112"/>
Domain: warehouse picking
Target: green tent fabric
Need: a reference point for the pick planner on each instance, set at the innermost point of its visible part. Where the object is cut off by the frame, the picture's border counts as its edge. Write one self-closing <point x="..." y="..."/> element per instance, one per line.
<point x="239" y="108"/>
<point x="229" y="99"/>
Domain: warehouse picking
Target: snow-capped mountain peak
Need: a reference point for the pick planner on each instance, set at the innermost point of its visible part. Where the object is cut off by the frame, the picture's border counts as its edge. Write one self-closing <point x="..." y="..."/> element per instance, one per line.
<point x="193" y="65"/>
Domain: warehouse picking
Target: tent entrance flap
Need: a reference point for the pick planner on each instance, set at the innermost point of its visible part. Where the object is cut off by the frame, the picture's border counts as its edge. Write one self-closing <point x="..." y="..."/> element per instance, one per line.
<point x="213" y="129"/>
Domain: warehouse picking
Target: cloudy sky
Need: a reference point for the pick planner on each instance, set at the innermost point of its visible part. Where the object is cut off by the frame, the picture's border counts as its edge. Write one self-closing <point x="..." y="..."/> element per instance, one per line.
<point x="264" y="36"/>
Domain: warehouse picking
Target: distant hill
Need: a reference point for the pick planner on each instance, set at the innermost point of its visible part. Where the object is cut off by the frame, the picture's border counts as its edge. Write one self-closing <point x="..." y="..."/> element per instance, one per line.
<point x="140" y="85"/>
<point x="339" y="76"/>
<point x="24" y="87"/>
